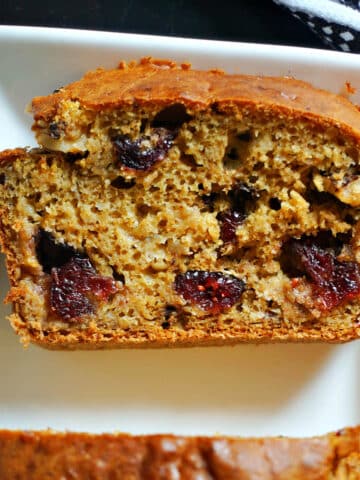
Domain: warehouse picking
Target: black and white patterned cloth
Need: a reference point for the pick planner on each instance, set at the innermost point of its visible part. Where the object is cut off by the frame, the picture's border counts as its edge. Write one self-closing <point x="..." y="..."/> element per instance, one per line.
<point x="337" y="22"/>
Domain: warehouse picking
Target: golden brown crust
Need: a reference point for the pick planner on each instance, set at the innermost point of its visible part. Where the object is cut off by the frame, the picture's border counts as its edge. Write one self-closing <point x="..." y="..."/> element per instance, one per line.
<point x="162" y="83"/>
<point x="93" y="339"/>
<point x="9" y="155"/>
<point x="43" y="455"/>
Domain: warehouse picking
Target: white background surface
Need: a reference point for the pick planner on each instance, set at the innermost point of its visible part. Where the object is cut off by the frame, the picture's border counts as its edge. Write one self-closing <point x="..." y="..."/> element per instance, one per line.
<point x="243" y="390"/>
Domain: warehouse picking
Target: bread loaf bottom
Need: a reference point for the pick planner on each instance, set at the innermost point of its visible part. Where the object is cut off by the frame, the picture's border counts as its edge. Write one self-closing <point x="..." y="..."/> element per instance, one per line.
<point x="184" y="208"/>
<point x="45" y="455"/>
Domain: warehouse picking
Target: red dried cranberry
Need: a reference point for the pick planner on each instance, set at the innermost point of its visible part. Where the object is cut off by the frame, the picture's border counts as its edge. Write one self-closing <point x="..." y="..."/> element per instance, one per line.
<point x="211" y="291"/>
<point x="242" y="198"/>
<point x="143" y="153"/>
<point x="229" y="221"/>
<point x="75" y="285"/>
<point x="333" y="281"/>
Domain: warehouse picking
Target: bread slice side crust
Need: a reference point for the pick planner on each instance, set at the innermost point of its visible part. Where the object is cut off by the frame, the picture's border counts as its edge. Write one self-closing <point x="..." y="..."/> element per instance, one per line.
<point x="335" y="456"/>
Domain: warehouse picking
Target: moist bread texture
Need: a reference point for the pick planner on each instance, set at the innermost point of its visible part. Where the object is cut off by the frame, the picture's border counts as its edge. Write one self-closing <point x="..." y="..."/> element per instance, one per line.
<point x="45" y="455"/>
<point x="171" y="207"/>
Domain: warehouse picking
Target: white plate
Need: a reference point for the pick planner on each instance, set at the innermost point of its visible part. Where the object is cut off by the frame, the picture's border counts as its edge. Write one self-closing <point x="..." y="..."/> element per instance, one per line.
<point x="244" y="390"/>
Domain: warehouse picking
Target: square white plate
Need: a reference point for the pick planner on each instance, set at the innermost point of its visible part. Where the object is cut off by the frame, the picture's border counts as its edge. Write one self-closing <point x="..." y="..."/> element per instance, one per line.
<point x="244" y="390"/>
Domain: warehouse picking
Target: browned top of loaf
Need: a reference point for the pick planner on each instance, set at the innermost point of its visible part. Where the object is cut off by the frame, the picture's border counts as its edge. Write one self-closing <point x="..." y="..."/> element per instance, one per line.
<point x="162" y="82"/>
<point x="42" y="455"/>
<point x="9" y="155"/>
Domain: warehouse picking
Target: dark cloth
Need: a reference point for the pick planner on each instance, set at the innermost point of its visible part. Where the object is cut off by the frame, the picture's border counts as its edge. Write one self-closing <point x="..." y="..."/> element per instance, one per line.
<point x="336" y="22"/>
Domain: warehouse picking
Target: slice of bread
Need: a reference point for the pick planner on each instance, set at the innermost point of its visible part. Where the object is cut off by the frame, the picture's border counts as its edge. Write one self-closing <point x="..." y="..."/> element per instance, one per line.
<point x="170" y="207"/>
<point x="42" y="455"/>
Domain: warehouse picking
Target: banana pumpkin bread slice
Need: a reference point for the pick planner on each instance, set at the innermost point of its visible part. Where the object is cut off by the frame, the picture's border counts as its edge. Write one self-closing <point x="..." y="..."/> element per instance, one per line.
<point x="169" y="207"/>
<point x="45" y="455"/>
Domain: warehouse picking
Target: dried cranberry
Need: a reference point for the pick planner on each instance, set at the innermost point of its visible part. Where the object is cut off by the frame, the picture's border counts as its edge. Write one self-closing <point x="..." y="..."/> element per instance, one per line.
<point x="75" y="285"/>
<point x="229" y="221"/>
<point x="333" y="281"/>
<point x="242" y="198"/>
<point x="2" y="178"/>
<point x="143" y="153"/>
<point x="51" y="253"/>
<point x="211" y="291"/>
<point x="56" y="129"/>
